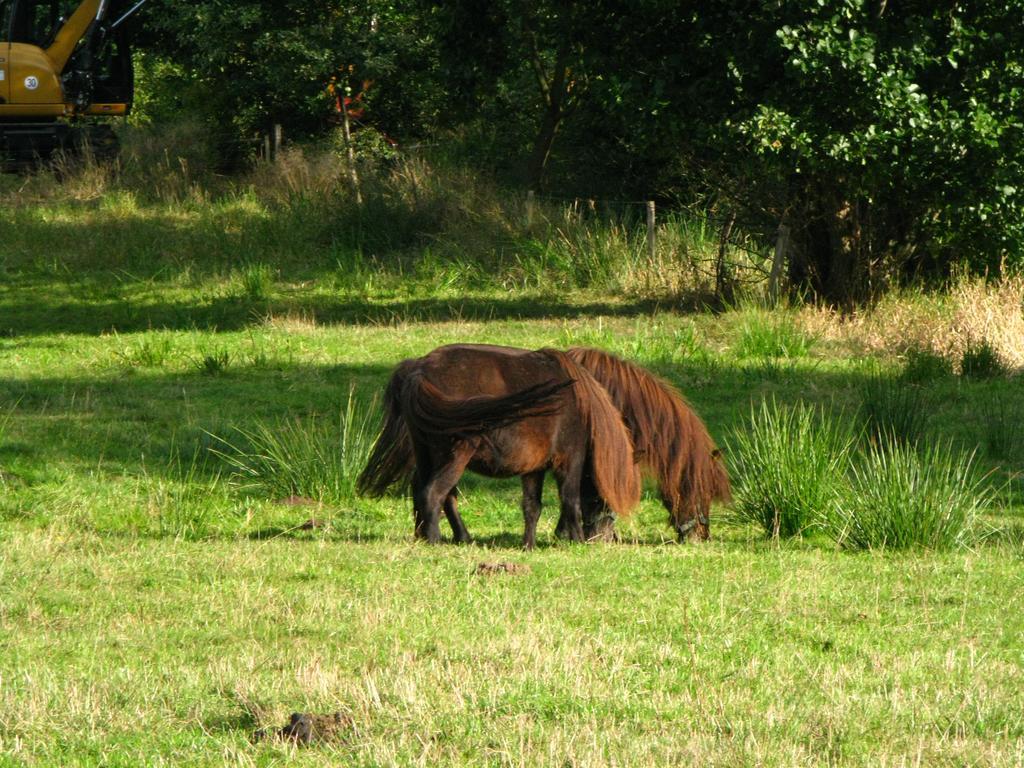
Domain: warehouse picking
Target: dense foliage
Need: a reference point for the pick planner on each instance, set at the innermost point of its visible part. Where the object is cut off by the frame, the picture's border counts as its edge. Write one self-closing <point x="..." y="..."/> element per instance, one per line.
<point x="888" y="137"/>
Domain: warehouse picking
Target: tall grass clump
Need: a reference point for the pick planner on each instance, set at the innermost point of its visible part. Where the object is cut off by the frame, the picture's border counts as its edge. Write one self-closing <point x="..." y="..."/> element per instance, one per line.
<point x="183" y="503"/>
<point x="1002" y="426"/>
<point x="980" y="360"/>
<point x="255" y="281"/>
<point x="902" y="498"/>
<point x="789" y="467"/>
<point x="310" y="457"/>
<point x="765" y="335"/>
<point x="893" y="408"/>
<point x="922" y="366"/>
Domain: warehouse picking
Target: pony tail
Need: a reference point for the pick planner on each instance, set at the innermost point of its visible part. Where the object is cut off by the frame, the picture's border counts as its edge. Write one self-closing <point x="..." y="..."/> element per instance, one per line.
<point x="392" y="457"/>
<point x="429" y="411"/>
<point x="611" y="449"/>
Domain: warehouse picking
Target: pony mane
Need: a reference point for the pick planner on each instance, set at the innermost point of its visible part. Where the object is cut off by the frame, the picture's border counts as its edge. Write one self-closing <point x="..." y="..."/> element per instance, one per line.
<point x="612" y="458"/>
<point x="670" y="440"/>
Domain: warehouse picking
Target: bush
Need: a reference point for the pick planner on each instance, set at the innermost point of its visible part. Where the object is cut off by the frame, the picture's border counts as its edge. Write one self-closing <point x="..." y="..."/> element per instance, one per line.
<point x="923" y="366"/>
<point x="900" y="498"/>
<point x="790" y="467"/>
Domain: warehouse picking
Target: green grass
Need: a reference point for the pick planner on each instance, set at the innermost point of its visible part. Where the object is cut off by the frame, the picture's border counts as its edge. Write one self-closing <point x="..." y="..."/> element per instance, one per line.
<point x="903" y="497"/>
<point x="894" y="408"/>
<point x="304" y="457"/>
<point x="157" y="605"/>
<point x="790" y="467"/>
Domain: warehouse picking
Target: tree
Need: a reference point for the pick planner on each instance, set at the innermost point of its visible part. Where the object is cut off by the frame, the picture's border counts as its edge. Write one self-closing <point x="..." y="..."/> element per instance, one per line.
<point x="259" y="62"/>
<point x="890" y="136"/>
<point x="524" y="57"/>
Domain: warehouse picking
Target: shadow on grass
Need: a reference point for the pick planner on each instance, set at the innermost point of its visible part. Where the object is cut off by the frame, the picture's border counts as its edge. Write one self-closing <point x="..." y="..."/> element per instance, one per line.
<point x="32" y="316"/>
<point x="91" y="274"/>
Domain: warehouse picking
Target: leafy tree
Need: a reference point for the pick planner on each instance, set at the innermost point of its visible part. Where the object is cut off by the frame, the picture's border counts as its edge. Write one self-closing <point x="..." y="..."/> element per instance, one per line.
<point x="519" y="62"/>
<point x="259" y="62"/>
<point x="889" y="136"/>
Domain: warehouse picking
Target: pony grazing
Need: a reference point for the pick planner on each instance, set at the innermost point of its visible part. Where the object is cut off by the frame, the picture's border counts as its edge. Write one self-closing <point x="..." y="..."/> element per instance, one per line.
<point x="500" y="412"/>
<point x="671" y="443"/>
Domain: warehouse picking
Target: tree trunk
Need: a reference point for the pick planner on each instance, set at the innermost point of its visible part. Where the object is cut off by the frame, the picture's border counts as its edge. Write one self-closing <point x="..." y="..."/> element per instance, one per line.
<point x="554" y="91"/>
<point x="542" y="145"/>
<point x="834" y="259"/>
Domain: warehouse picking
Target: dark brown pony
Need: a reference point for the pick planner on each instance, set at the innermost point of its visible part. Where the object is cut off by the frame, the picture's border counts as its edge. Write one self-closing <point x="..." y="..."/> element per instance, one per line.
<point x="500" y="412"/>
<point x="671" y="443"/>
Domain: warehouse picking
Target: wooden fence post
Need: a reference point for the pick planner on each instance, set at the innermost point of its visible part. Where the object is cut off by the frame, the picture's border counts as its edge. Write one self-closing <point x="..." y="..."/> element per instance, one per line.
<point x="529" y="207"/>
<point x="350" y="154"/>
<point x="651" y="232"/>
<point x="723" y="287"/>
<point x="781" y="242"/>
<point x="278" y="139"/>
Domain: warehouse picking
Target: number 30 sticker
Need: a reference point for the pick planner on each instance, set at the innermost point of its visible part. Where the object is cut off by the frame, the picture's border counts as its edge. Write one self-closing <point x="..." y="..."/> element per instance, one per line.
<point x="31" y="82"/>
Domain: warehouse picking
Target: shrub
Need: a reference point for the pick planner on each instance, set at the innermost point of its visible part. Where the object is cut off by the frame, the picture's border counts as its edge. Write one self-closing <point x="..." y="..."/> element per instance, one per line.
<point x="981" y="361"/>
<point x="900" y="497"/>
<point x="923" y="365"/>
<point x="790" y="466"/>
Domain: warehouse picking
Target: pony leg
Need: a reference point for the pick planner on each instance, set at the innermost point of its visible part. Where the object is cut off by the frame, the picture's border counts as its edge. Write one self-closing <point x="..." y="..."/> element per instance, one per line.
<point x="419" y="514"/>
<point x="451" y="511"/>
<point x="563" y="528"/>
<point x="688" y="518"/>
<point x="430" y="496"/>
<point x="569" y="491"/>
<point x="533" y="486"/>
<point x="598" y="519"/>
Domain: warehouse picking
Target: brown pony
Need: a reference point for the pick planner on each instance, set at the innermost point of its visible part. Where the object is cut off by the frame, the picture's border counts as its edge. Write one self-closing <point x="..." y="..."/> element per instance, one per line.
<point x="671" y="443"/>
<point x="500" y="412"/>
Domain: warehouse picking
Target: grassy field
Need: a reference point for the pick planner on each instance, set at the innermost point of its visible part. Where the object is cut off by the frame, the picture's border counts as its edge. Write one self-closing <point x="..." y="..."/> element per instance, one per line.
<point x="158" y="604"/>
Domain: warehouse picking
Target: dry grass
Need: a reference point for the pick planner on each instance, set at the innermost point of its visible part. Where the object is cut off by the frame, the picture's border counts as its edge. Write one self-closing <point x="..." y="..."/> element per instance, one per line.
<point x="296" y="172"/>
<point x="975" y="311"/>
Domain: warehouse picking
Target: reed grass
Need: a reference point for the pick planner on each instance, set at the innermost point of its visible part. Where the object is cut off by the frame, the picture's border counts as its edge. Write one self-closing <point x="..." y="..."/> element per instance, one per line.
<point x="307" y="457"/>
<point x="903" y="497"/>
<point x="789" y="466"/>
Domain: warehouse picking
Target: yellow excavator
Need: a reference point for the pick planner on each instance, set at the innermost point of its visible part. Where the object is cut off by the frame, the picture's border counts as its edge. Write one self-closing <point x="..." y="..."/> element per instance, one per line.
<point x="64" y="65"/>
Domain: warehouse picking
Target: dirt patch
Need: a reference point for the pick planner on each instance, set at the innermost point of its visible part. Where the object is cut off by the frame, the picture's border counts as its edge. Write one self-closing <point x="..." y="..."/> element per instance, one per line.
<point x="305" y="728"/>
<point x="492" y="568"/>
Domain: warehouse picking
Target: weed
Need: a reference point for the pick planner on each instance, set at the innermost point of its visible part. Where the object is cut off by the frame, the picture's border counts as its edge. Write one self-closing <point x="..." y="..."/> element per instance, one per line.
<point x="256" y="281"/>
<point x="901" y="497"/>
<point x="767" y="336"/>
<point x="146" y="351"/>
<point x="789" y="467"/>
<point x="214" y="363"/>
